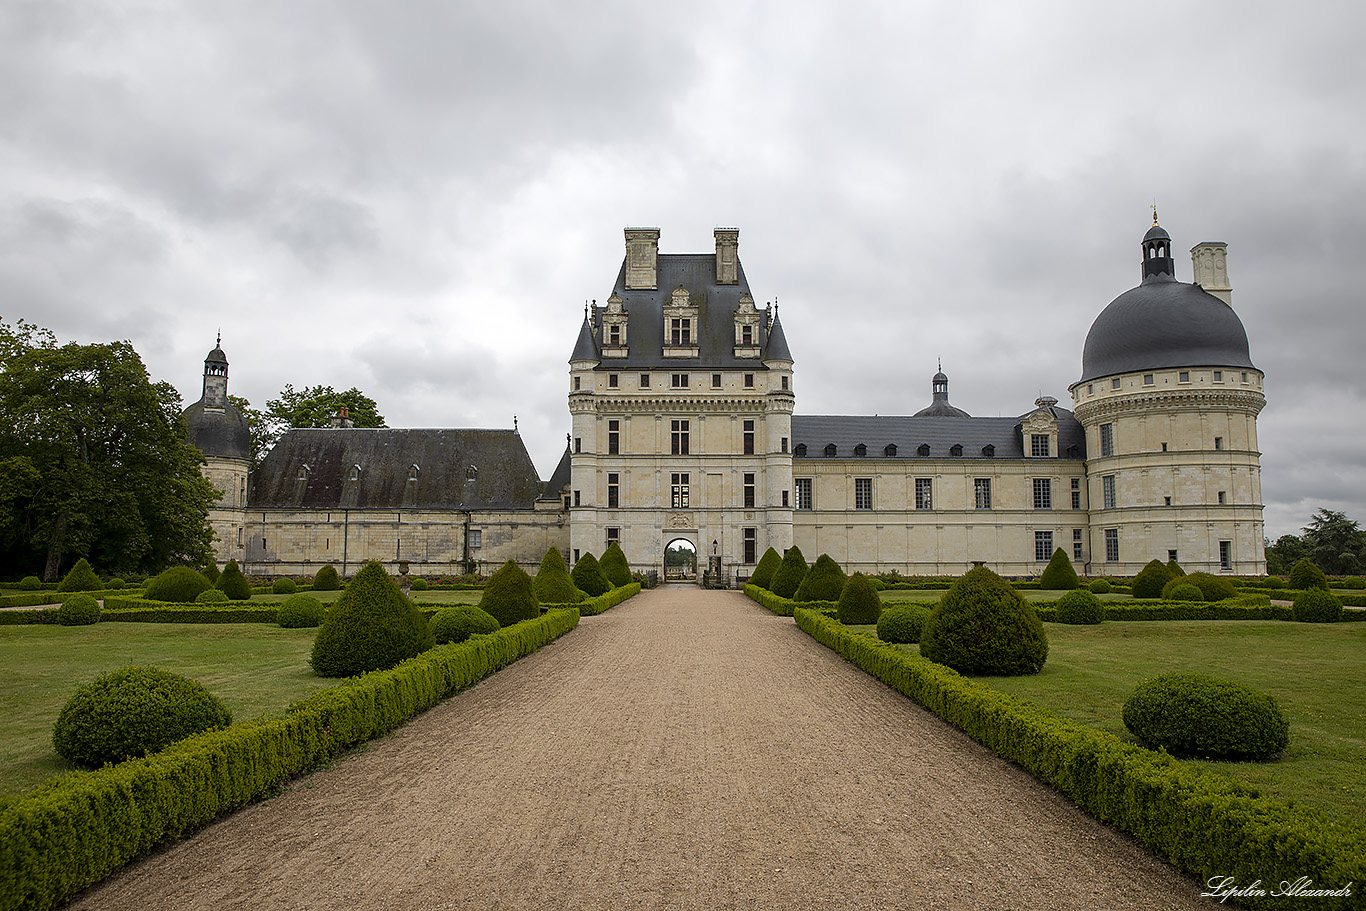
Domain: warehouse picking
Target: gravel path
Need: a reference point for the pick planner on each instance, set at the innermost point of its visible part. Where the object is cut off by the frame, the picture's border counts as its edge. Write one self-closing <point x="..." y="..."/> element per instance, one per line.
<point x="687" y="749"/>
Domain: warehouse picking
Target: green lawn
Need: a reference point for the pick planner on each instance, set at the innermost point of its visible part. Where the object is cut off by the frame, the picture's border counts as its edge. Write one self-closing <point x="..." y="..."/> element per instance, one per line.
<point x="1317" y="672"/>
<point x="254" y="668"/>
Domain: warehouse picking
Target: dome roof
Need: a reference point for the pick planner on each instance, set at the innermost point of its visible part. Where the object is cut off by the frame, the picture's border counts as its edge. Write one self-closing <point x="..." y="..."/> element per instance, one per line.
<point x="216" y="355"/>
<point x="1164" y="323"/>
<point x="218" y="434"/>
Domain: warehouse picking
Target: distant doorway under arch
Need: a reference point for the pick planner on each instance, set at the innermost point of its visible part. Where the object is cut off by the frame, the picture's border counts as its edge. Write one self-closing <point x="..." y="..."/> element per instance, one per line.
<point x="680" y="561"/>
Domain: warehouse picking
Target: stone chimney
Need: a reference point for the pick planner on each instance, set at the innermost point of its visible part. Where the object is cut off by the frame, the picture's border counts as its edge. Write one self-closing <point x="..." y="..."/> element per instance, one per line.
<point x="342" y="420"/>
<point x="642" y="252"/>
<point x="1209" y="264"/>
<point x="727" y="255"/>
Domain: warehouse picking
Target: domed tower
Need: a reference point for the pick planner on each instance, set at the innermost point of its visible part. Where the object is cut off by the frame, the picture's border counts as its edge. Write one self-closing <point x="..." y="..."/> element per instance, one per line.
<point x="939" y="406"/>
<point x="218" y="430"/>
<point x="1169" y="399"/>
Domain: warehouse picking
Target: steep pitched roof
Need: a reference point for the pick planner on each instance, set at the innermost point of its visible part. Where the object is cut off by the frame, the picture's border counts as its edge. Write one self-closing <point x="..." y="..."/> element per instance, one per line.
<point x="940" y="433"/>
<point x="559" y="478"/>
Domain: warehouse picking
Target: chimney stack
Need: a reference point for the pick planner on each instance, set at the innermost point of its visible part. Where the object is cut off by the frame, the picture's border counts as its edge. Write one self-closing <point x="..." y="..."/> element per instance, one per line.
<point x="727" y="255"/>
<point x="642" y="251"/>
<point x="1209" y="264"/>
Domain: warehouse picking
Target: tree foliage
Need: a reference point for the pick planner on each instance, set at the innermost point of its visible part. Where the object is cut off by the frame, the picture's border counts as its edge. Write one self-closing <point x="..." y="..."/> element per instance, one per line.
<point x="96" y="458"/>
<point x="312" y="406"/>
<point x="1335" y="543"/>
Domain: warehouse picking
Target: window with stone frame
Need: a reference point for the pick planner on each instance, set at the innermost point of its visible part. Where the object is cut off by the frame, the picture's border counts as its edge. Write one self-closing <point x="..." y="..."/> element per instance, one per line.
<point x="1043" y="546"/>
<point x="863" y="493"/>
<point x="747" y="492"/>
<point x="678" y="437"/>
<point x="1038" y="445"/>
<point x="1107" y="440"/>
<point x="1043" y="493"/>
<point x="1107" y="491"/>
<point x="802" y="492"/>
<point x="613" y="490"/>
<point x="751" y="538"/>
<point x="981" y="488"/>
<point x="678" y="490"/>
<point x="1112" y="545"/>
<point x="613" y="437"/>
<point x="748" y="442"/>
<point x="1076" y="493"/>
<point x="924" y="493"/>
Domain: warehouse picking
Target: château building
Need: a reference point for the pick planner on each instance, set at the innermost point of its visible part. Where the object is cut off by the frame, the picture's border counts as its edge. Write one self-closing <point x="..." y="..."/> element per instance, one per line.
<point x="682" y="395"/>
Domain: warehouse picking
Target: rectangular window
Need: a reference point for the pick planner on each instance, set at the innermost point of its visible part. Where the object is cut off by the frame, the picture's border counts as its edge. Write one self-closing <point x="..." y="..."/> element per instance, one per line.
<point x="924" y="490"/>
<point x="1043" y="546"/>
<point x="1038" y="445"/>
<point x="746" y="335"/>
<point x="614" y="336"/>
<point x="1244" y="376"/>
<point x="1076" y="550"/>
<point x="1076" y="493"/>
<point x="1171" y="556"/>
<point x="645" y="381"/>
<point x="678" y="491"/>
<point x="1112" y="545"/>
<point x="612" y="380"/>
<point x="751" y="546"/>
<point x="613" y="534"/>
<point x="749" y="438"/>
<point x="783" y="446"/>
<point x="1218" y="442"/>
<point x="576" y="383"/>
<point x="578" y="500"/>
<point x="784" y="382"/>
<point x="1166" y="501"/>
<point x="1107" y="491"/>
<point x="612" y="488"/>
<point x="1114" y="383"/>
<point x="1223" y="495"/>
<point x="678" y="439"/>
<point x="803" y="492"/>
<point x="1226" y="555"/>
<point x="863" y="493"/>
<point x="679" y="381"/>
<point x="1147" y="379"/>
<point x="680" y="332"/>
<point x="749" y="491"/>
<point x="613" y="437"/>
<point x="716" y="381"/>
<point x="1218" y="376"/>
<point x="1107" y="440"/>
<point x="749" y="381"/>
<point x="1183" y="377"/>
<point x="476" y="537"/>
<point x="1043" y="493"/>
<point x="578" y="444"/>
<point x="982" y="490"/>
<point x="784" y="499"/>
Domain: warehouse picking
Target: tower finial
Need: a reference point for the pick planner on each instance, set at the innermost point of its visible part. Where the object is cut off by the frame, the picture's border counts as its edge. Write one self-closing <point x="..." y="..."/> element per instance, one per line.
<point x="1154" y="208"/>
<point x="219" y="343"/>
<point x="514" y="423"/>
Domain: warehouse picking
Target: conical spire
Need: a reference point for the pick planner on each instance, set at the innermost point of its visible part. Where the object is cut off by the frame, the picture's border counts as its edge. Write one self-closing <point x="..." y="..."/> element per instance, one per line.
<point x="777" y="342"/>
<point x="586" y="348"/>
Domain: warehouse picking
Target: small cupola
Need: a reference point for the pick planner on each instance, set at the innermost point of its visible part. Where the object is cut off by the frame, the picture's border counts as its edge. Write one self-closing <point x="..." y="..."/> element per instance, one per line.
<point x="1158" y="264"/>
<point x="216" y="377"/>
<point x="939" y="406"/>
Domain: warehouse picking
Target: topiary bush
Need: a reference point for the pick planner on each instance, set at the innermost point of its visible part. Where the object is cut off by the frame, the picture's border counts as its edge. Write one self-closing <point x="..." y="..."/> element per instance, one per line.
<point x="982" y="626"/>
<point x="1150" y="580"/>
<point x="787" y="578"/>
<point x="763" y="571"/>
<point x="614" y="566"/>
<point x="1180" y="590"/>
<point x="300" y="612"/>
<point x="509" y="596"/>
<point x="1213" y="588"/>
<point x="78" y="610"/>
<point x="825" y="581"/>
<point x="233" y="584"/>
<point x="1100" y="586"/>
<point x="284" y="587"/>
<point x="1175" y="568"/>
<point x="902" y="623"/>
<point x="1273" y="582"/>
<point x="588" y="577"/>
<point x="326" y="580"/>
<point x="456" y="624"/>
<point x="1306" y="574"/>
<point x="179" y="584"/>
<point x="132" y="712"/>
<point x="1079" y="607"/>
<point x="211" y="573"/>
<point x="1196" y="715"/>
<point x="29" y="584"/>
<point x="1314" y="605"/>
<point x="212" y="596"/>
<point x="552" y="584"/>
<point x="114" y="584"/>
<point x="859" y="602"/>
<point x="81" y="578"/>
<point x="418" y="584"/>
<point x="373" y="626"/>
<point x="1059" y="574"/>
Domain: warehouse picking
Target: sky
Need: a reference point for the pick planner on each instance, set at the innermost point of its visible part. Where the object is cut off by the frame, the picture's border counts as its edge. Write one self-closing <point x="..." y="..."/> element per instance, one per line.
<point x="417" y="198"/>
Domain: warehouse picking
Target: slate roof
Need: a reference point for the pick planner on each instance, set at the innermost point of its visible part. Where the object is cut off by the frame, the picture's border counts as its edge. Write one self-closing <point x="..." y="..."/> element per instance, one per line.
<point x="777" y="342"/>
<point x="504" y="476"/>
<point x="941" y="433"/>
<point x="222" y="434"/>
<point x="559" y="478"/>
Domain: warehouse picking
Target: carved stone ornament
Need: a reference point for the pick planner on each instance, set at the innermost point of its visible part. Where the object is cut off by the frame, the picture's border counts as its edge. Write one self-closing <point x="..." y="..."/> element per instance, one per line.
<point x="680" y="520"/>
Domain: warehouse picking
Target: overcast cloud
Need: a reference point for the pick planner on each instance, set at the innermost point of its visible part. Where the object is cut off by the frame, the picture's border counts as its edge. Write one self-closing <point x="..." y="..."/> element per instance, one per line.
<point x="417" y="198"/>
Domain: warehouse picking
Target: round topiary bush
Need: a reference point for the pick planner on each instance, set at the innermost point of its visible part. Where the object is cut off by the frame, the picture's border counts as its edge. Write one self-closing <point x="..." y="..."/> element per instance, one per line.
<point x="78" y="610"/>
<point x="1196" y="715"/>
<point x="1181" y="590"/>
<point x="763" y="571"/>
<point x="509" y="596"/>
<point x="371" y="627"/>
<point x="233" y="584"/>
<point x="284" y="586"/>
<point x="1306" y="574"/>
<point x="1059" y="574"/>
<point x="614" y="566"/>
<point x="1100" y="586"/>
<point x="552" y="584"/>
<point x="132" y="712"/>
<point x="456" y="624"/>
<point x="81" y="578"/>
<point x="1150" y="580"/>
<point x="787" y="578"/>
<point x="1213" y="588"/>
<point x="983" y="626"/>
<point x="1079" y="607"/>
<point x="326" y="580"/>
<point x="179" y="584"/>
<point x="29" y="584"/>
<point x="212" y="596"/>
<point x="300" y="612"/>
<point x="859" y="603"/>
<point x="588" y="578"/>
<point x="114" y="584"/>
<point x="902" y="623"/>
<point x="418" y="584"/>
<point x="1314" y="605"/>
<point x="1273" y="582"/>
<point x="824" y="582"/>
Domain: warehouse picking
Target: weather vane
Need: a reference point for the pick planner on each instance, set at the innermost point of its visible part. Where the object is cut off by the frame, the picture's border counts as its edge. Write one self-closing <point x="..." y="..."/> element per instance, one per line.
<point x="1154" y="208"/>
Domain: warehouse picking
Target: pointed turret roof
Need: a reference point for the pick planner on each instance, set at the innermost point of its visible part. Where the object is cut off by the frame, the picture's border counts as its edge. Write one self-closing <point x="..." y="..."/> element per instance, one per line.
<point x="777" y="343"/>
<point x="586" y="348"/>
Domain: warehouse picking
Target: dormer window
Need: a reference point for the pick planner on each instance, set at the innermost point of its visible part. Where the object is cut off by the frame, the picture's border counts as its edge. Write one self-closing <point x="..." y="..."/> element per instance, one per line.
<point x="861" y="450"/>
<point x="354" y="476"/>
<point x="614" y="328"/>
<point x="956" y="450"/>
<point x="680" y="332"/>
<point x="799" y="450"/>
<point x="471" y="473"/>
<point x="830" y="450"/>
<point x="890" y="451"/>
<point x="747" y="322"/>
<point x="681" y="317"/>
<point x="989" y="451"/>
<point x="303" y="473"/>
<point x="923" y="450"/>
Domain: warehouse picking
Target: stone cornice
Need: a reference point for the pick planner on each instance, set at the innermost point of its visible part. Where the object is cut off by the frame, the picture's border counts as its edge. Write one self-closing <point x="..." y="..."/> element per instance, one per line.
<point x="1155" y="401"/>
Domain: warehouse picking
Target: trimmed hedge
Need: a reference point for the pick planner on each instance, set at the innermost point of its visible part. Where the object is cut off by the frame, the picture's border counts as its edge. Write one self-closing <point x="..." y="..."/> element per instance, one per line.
<point x="509" y="597"/>
<point x="1306" y="574"/>
<point x="301" y="612"/>
<point x="458" y="622"/>
<point x="1203" y="822"/>
<point x="326" y="579"/>
<point x="1316" y="606"/>
<point x="902" y="622"/>
<point x="212" y="596"/>
<point x="73" y="831"/>
<point x="1079" y="606"/>
<point x="591" y="607"/>
<point x="1150" y="580"/>
<point x="233" y="584"/>
<point x="1198" y="715"/>
<point x="284" y="586"/>
<point x="614" y="566"/>
<point x="587" y="576"/>
<point x="983" y="626"/>
<point x="785" y="607"/>
<point x="371" y="627"/>
<point x="859" y="603"/>
<point x="1181" y="590"/>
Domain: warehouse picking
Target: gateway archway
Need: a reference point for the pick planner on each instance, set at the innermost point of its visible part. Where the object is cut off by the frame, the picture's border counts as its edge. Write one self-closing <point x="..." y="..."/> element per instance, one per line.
<point x="680" y="561"/>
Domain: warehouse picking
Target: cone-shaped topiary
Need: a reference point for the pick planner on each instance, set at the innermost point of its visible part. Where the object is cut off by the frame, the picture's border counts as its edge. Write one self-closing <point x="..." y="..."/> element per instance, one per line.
<point x="1181" y="590"/>
<point x="588" y="577"/>
<point x="823" y="582"/>
<point x="1079" y="606"/>
<point x="1306" y="574"/>
<point x="326" y="580"/>
<point x="179" y="584"/>
<point x="552" y="584"/>
<point x="1150" y="579"/>
<point x="371" y="627"/>
<point x="983" y="626"/>
<point x="1314" y="605"/>
<point x="81" y="578"/>
<point x="510" y="597"/>
<point x="1175" y="568"/>
<point x="300" y="612"/>
<point x="456" y="624"/>
<point x="902" y="623"/>
<point x="614" y="566"/>
<point x="78" y="610"/>
<point x="233" y="584"/>
<point x="763" y="572"/>
<point x="1196" y="715"/>
<point x="131" y="712"/>
<point x="1059" y="576"/>
<point x="859" y="603"/>
<point x="211" y="573"/>
<point x="787" y="578"/>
